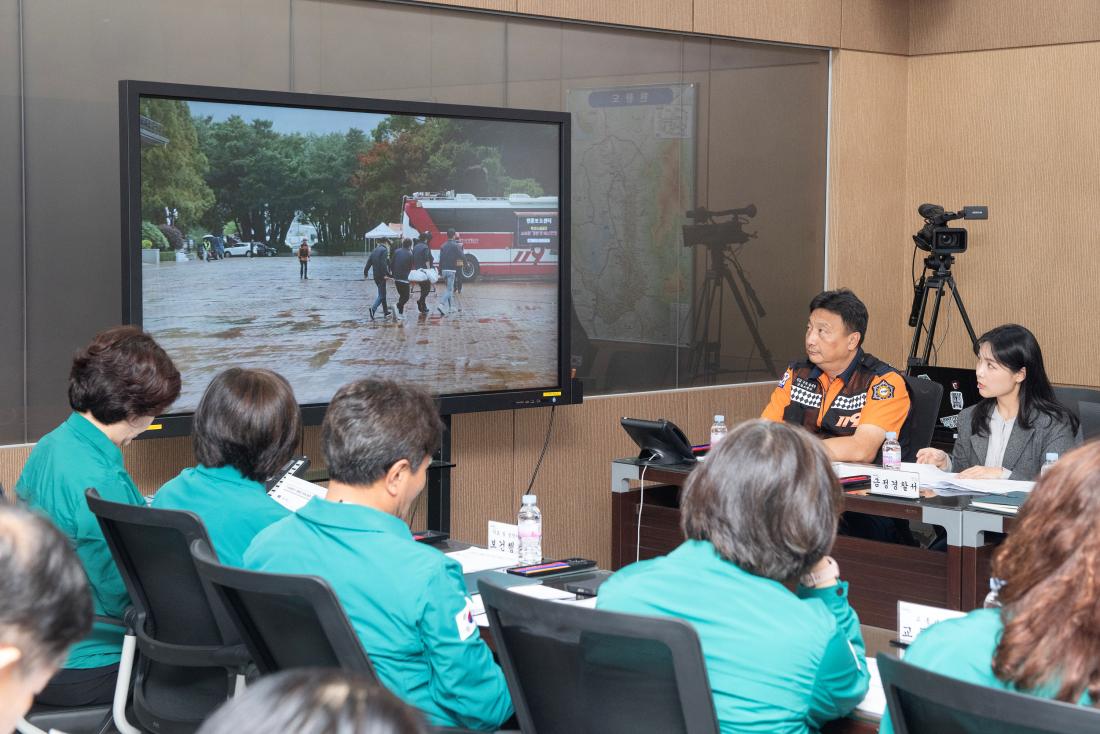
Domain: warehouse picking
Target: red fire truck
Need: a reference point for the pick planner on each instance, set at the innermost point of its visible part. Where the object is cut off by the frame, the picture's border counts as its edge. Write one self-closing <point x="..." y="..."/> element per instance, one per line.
<point x="514" y="236"/>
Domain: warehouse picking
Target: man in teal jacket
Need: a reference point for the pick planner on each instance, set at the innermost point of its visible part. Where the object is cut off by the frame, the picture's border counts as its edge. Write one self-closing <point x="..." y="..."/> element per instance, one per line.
<point x="406" y="601"/>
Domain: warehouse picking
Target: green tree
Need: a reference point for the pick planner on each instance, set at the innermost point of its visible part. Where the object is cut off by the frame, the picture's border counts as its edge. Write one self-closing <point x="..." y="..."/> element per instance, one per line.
<point x="172" y="175"/>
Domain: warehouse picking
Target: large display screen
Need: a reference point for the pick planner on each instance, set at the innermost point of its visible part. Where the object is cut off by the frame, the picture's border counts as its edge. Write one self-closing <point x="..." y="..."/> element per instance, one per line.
<point x="255" y="222"/>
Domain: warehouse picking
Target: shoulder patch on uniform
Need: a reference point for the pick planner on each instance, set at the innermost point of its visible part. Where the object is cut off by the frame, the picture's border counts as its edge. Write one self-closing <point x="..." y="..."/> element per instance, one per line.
<point x="464" y="620"/>
<point x="783" y="380"/>
<point x="882" y="390"/>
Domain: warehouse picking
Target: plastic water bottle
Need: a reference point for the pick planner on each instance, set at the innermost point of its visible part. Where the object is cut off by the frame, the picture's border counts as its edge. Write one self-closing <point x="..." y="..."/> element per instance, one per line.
<point x="1051" y="458"/>
<point x="891" y="452"/>
<point x="991" y="601"/>
<point x="718" y="431"/>
<point x="530" y="531"/>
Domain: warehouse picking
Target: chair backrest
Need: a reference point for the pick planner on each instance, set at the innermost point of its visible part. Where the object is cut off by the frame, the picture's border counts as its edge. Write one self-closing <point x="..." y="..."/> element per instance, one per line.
<point x="573" y="669"/>
<point x="923" y="702"/>
<point x="925" y="396"/>
<point x="285" y="621"/>
<point x="1090" y="419"/>
<point x="184" y="671"/>
<point x="1070" y="397"/>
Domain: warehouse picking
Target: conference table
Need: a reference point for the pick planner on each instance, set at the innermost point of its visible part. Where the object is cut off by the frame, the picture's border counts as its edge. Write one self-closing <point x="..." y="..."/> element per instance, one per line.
<point x="879" y="574"/>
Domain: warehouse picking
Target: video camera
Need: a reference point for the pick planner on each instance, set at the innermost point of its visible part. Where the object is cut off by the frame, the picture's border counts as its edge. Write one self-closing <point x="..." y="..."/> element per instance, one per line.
<point x="708" y="231"/>
<point x="939" y="239"/>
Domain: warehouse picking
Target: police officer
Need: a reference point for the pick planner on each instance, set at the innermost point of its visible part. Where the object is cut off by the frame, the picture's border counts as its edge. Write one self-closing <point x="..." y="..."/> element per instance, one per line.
<point x="422" y="259"/>
<point x="407" y="601"/>
<point x="845" y="396"/>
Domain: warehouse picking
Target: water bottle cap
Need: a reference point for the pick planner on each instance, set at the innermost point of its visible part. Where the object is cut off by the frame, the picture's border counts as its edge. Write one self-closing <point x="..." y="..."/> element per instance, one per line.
<point x="719" y="419"/>
<point x="891" y="436"/>
<point x="529" y="499"/>
<point x="1052" y="457"/>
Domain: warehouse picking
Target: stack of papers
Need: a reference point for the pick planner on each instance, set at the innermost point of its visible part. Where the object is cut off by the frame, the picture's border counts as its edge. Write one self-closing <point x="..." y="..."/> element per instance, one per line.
<point x="475" y="559"/>
<point x="874" y="703"/>
<point x="945" y="484"/>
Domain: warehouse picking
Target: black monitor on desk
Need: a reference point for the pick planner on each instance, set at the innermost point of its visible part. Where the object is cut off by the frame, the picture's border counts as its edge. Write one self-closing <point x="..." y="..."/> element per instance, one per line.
<point x="960" y="390"/>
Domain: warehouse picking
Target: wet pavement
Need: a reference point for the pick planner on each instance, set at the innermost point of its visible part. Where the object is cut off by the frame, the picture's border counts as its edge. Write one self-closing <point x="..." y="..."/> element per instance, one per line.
<point x="256" y="312"/>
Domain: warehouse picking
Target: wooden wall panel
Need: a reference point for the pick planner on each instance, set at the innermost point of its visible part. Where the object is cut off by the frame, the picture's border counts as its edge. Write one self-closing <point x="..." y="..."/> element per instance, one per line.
<point x="875" y="25"/>
<point x="508" y="6"/>
<point x="945" y="26"/>
<point x="869" y="243"/>
<point x="573" y="485"/>
<point x="1022" y="139"/>
<point x="814" y="22"/>
<point x="673" y="15"/>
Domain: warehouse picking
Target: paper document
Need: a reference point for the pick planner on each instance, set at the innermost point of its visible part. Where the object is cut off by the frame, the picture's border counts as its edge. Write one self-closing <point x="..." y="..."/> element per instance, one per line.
<point x="539" y="591"/>
<point x="874" y="703"/>
<point x="294" y="492"/>
<point x="931" y="476"/>
<point x="992" y="486"/>
<point x="482" y="559"/>
<point x="996" y="507"/>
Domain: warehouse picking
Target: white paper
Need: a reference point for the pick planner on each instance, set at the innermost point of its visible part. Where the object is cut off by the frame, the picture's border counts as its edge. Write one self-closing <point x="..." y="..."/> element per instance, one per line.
<point x="847" y="469"/>
<point x="915" y="618"/>
<point x="294" y="492"/>
<point x="1006" y="509"/>
<point x="931" y="476"/>
<point x="538" y="591"/>
<point x="875" y="701"/>
<point x="482" y="559"/>
<point x="992" y="486"/>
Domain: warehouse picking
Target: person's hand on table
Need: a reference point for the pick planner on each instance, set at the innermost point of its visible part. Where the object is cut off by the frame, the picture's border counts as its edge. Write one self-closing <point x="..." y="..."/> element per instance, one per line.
<point x="983" y="472"/>
<point x="824" y="574"/>
<point x="932" y="456"/>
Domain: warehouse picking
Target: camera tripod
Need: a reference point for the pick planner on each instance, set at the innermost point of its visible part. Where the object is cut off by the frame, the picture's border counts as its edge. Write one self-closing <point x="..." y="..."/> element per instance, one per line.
<point x="940" y="266"/>
<point x="706" y="353"/>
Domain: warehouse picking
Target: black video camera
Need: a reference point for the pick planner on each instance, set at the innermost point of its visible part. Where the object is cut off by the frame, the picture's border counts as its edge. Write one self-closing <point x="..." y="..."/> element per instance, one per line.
<point x="939" y="239"/>
<point x="707" y="230"/>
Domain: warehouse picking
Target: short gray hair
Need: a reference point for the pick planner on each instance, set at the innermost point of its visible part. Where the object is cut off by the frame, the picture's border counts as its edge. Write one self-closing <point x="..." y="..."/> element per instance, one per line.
<point x="766" y="498"/>
<point x="370" y="425"/>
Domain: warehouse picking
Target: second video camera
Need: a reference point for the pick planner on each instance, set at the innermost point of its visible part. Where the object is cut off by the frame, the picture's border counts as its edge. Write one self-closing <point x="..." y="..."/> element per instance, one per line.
<point x="939" y="239"/>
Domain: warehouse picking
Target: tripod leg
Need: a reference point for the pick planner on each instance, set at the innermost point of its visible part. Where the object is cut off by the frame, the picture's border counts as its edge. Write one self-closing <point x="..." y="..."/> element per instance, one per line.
<point x="701" y="328"/>
<point x="962" y="311"/>
<point x="743" y="306"/>
<point x="915" y="346"/>
<point x="940" y="282"/>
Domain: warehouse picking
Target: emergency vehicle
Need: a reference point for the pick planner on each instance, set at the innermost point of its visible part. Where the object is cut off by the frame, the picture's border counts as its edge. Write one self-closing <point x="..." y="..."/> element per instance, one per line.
<point x="512" y="236"/>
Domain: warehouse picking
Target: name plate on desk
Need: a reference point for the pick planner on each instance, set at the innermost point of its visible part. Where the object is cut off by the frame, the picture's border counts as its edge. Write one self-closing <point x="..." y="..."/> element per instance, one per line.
<point x="894" y="483"/>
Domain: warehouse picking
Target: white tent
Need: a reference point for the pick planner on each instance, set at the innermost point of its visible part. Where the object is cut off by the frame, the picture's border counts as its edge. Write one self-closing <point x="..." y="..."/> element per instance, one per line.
<point x="383" y="231"/>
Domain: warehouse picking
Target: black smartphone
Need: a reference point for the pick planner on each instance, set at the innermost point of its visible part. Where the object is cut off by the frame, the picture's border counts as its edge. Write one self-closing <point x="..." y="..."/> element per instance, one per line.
<point x="552" y="568"/>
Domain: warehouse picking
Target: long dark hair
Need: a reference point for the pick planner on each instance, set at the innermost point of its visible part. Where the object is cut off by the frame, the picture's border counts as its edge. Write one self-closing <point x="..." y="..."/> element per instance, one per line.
<point x="1016" y="348"/>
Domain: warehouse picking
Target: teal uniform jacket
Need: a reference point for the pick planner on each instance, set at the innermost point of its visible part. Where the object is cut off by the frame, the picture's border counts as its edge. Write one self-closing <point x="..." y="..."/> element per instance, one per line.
<point x="406" y="601"/>
<point x="777" y="662"/>
<point x="233" y="508"/>
<point x="68" y="460"/>
<point x="962" y="648"/>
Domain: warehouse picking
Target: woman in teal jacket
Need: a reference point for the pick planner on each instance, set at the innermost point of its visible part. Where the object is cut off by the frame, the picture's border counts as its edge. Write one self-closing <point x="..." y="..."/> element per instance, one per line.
<point x="762" y="510"/>
<point x="246" y="428"/>
<point x="1044" y="637"/>
<point x="117" y="385"/>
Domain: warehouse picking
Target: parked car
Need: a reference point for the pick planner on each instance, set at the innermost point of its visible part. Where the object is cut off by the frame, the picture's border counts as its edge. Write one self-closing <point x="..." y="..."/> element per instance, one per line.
<point x="249" y="249"/>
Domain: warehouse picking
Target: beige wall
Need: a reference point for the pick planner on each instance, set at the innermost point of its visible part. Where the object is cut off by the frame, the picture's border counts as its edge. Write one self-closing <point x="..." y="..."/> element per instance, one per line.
<point x="955" y="123"/>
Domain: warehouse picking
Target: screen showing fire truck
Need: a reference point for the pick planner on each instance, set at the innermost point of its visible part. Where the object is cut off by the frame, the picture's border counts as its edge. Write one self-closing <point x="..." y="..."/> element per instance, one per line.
<point x="332" y="245"/>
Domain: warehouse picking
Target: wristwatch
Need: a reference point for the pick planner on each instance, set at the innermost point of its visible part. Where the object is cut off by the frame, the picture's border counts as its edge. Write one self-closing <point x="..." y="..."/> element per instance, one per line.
<point x="831" y="573"/>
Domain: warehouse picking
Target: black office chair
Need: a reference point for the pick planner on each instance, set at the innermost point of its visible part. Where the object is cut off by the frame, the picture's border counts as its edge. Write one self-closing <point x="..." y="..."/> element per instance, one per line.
<point x="189" y="658"/>
<point x="1070" y="397"/>
<point x="924" y="410"/>
<point x="285" y="621"/>
<point x="573" y="669"/>
<point x="923" y="702"/>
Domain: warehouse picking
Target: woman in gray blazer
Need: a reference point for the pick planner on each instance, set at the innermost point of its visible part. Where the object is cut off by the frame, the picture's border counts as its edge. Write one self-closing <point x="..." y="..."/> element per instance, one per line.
<point x="1009" y="433"/>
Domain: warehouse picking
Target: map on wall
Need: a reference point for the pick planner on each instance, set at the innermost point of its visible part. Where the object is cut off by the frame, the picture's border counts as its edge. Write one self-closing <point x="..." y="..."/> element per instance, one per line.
<point x="633" y="177"/>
